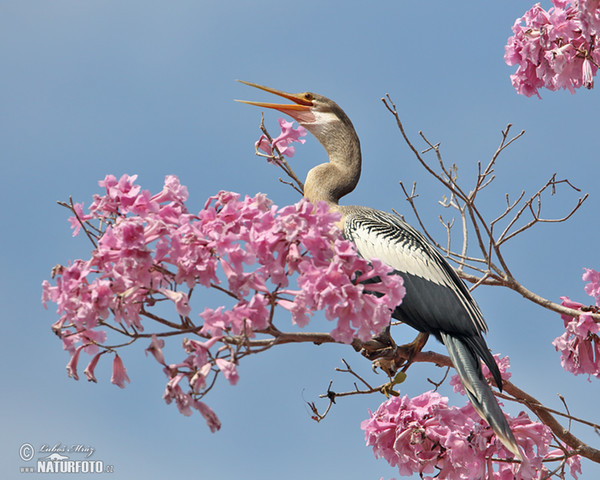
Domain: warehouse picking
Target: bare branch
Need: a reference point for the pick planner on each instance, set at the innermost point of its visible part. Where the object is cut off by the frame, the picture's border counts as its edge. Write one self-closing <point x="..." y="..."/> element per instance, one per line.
<point x="491" y="268"/>
<point x="542" y="412"/>
<point x="536" y="211"/>
<point x="349" y="370"/>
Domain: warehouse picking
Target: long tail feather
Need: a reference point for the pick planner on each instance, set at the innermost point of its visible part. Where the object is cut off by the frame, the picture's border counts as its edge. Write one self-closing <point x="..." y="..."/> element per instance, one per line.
<point x="468" y="367"/>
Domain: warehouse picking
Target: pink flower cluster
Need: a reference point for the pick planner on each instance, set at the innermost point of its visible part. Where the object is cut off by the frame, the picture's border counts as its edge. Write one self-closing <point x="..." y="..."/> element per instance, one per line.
<point x="579" y="346"/>
<point x="556" y="48"/>
<point x="593" y="287"/>
<point x="150" y="250"/>
<point x="283" y="141"/>
<point x="194" y="370"/>
<point x="301" y="240"/>
<point x="426" y="436"/>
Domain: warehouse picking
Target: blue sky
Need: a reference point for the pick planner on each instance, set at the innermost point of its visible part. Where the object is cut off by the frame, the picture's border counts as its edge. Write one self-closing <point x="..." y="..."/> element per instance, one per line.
<point x="146" y="87"/>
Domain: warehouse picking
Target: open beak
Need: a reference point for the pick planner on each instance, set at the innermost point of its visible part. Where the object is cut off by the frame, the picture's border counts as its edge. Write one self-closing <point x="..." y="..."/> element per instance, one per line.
<point x="298" y="110"/>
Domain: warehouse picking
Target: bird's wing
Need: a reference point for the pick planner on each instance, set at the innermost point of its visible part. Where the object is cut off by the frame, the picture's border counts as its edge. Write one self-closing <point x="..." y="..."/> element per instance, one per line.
<point x="436" y="302"/>
<point x="436" y="298"/>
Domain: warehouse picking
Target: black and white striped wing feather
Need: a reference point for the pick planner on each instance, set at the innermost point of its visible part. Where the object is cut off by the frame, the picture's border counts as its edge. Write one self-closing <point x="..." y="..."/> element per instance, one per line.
<point x="436" y="298"/>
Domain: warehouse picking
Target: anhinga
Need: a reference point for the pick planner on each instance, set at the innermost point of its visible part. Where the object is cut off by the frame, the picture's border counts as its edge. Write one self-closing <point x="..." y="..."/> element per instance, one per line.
<point x="437" y="302"/>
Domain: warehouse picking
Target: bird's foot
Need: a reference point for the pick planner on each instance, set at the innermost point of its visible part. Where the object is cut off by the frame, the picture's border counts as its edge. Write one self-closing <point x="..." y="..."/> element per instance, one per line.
<point x="411" y="349"/>
<point x="381" y="350"/>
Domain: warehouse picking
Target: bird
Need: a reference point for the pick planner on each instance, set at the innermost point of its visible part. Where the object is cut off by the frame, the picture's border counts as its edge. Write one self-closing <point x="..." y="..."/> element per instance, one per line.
<point x="437" y="302"/>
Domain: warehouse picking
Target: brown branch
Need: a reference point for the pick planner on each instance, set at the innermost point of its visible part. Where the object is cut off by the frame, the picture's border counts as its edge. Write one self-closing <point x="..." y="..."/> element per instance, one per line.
<point x="161" y="320"/>
<point x="509" y="208"/>
<point x="281" y="338"/>
<point x="567" y="415"/>
<point x="514" y="285"/>
<point x="402" y="354"/>
<point x="546" y="418"/>
<point x="386" y="389"/>
<point x="555" y="307"/>
<point x="410" y="199"/>
<point x="542" y="412"/>
<point x="537" y="197"/>
<point x="488" y="244"/>
<point x="481" y="182"/>
<point x="224" y="290"/>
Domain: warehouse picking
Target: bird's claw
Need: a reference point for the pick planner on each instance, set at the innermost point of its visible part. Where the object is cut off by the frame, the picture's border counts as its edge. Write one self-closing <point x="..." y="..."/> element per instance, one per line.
<point x="381" y="350"/>
<point x="411" y="349"/>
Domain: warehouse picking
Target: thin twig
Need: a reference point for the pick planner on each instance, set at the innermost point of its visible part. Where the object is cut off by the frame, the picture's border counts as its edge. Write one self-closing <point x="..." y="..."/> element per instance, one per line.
<point x="71" y="206"/>
<point x="280" y="160"/>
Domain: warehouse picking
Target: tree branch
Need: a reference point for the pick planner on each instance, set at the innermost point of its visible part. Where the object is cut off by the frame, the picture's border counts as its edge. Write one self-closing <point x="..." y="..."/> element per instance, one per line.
<point x="488" y="244"/>
<point x="542" y="412"/>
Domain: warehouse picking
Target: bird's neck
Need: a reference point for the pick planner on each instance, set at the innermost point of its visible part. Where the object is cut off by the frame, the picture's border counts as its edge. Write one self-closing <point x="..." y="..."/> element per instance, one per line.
<point x="331" y="181"/>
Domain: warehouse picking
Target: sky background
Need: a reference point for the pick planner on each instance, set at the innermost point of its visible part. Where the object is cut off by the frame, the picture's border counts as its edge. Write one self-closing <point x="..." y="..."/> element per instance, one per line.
<point x="95" y="87"/>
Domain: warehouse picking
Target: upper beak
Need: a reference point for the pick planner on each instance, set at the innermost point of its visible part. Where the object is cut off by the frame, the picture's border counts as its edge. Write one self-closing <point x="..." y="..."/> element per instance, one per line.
<point x="300" y="103"/>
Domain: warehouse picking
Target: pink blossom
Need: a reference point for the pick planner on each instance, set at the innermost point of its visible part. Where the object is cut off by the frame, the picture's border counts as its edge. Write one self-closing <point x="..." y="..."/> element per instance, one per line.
<point x="101" y="297"/>
<point x="211" y="418"/>
<point x="579" y="345"/>
<point x="288" y="135"/>
<point x="426" y="436"/>
<point x="155" y="348"/>
<point x="75" y="221"/>
<point x="253" y="314"/>
<point x="149" y="247"/>
<point x="244" y="317"/>
<point x="239" y="282"/>
<point x="283" y="141"/>
<point x="264" y="144"/>
<point x="143" y="205"/>
<point x="216" y="321"/>
<point x="589" y="14"/>
<point x="593" y="287"/>
<point x="198" y="380"/>
<point x="172" y="191"/>
<point x="199" y="350"/>
<point x="587" y="74"/>
<point x="332" y="288"/>
<point x="180" y="299"/>
<point x="49" y="293"/>
<point x="72" y="365"/>
<point x="555" y="48"/>
<point x="573" y="461"/>
<point x="229" y="370"/>
<point x="89" y="370"/>
<point x="413" y="434"/>
<point x="119" y="373"/>
<point x="173" y="391"/>
<point x="120" y="195"/>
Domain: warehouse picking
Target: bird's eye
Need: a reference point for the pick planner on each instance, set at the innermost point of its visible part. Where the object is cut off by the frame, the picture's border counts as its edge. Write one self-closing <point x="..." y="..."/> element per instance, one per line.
<point x="308" y="96"/>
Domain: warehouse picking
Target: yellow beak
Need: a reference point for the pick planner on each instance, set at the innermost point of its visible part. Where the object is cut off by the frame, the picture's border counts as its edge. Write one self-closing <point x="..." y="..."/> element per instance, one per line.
<point x="300" y="102"/>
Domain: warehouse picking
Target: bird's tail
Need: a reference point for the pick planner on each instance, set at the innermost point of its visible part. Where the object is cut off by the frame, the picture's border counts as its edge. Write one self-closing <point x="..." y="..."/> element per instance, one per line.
<point x="468" y="367"/>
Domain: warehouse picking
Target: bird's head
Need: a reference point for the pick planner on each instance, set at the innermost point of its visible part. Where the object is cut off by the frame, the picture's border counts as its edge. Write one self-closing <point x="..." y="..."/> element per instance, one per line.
<point x="318" y="114"/>
<point x="333" y="129"/>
